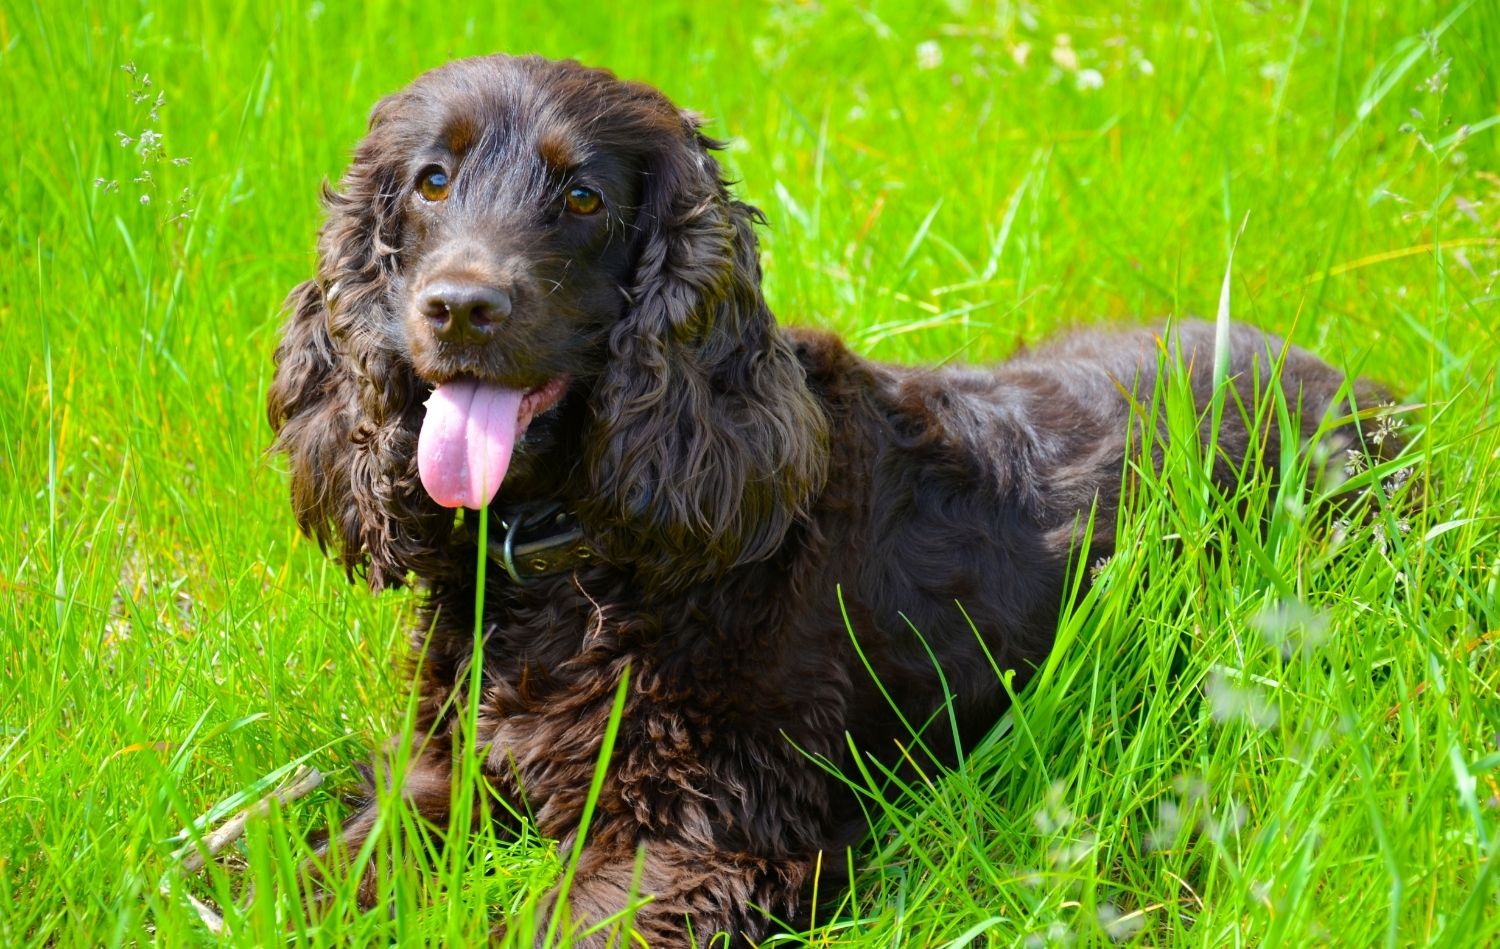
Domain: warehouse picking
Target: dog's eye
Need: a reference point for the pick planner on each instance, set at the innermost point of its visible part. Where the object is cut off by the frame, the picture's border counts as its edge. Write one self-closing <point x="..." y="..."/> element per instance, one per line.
<point x="433" y="185"/>
<point x="584" y="200"/>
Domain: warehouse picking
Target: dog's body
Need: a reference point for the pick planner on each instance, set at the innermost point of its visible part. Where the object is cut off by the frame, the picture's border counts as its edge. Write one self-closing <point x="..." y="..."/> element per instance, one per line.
<point x="772" y="523"/>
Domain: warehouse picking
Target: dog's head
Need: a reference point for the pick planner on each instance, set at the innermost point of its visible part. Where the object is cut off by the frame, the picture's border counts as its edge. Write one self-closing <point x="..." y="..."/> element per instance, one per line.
<point x="534" y="282"/>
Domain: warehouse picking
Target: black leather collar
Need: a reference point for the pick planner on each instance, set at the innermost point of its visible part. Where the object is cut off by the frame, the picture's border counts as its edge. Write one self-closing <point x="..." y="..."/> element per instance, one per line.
<point x="539" y="540"/>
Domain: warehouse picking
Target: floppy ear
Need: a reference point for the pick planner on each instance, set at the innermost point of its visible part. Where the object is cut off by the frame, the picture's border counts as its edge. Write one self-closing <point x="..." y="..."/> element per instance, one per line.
<point x="709" y="444"/>
<point x="344" y="405"/>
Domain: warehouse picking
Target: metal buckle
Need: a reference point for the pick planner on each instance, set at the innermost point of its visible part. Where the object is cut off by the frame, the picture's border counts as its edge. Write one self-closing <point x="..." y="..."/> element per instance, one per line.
<point x="522" y="519"/>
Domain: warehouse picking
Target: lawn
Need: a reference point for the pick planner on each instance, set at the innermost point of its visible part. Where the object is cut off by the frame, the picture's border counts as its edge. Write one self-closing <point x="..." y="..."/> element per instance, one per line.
<point x="1275" y="735"/>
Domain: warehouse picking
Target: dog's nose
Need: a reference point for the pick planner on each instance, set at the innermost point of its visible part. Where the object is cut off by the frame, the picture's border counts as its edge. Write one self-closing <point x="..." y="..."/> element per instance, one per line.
<point x="464" y="312"/>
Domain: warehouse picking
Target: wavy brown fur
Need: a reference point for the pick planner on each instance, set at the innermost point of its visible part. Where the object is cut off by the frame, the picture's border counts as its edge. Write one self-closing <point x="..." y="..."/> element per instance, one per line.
<point x="733" y="476"/>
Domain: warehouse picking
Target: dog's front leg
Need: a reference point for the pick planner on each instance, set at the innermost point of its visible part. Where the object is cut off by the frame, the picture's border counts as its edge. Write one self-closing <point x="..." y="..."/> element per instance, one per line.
<point x="425" y="789"/>
<point x="672" y="895"/>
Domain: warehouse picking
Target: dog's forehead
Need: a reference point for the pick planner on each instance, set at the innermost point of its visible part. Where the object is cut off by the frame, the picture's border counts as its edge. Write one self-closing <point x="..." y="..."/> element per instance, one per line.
<point x="561" y="111"/>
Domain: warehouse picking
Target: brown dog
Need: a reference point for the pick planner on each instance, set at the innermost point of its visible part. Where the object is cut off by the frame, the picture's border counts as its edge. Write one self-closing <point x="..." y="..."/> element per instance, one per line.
<point x="537" y="299"/>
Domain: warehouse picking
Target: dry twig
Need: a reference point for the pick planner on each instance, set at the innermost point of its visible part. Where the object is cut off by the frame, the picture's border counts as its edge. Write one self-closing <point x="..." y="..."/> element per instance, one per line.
<point x="194" y="855"/>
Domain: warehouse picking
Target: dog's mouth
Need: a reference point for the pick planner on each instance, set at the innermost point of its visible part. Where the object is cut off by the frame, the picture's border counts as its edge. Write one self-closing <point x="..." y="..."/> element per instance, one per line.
<point x="469" y="432"/>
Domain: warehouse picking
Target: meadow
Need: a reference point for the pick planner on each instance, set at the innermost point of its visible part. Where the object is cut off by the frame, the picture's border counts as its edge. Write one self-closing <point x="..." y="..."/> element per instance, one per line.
<point x="1258" y="728"/>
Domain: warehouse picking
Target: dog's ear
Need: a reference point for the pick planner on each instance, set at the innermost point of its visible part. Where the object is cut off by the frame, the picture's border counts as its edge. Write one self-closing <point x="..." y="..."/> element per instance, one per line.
<point x="710" y="444"/>
<point x="344" y="404"/>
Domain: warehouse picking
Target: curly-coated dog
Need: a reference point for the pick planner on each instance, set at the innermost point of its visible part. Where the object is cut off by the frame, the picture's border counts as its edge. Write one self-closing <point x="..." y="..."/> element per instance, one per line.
<point x="537" y="299"/>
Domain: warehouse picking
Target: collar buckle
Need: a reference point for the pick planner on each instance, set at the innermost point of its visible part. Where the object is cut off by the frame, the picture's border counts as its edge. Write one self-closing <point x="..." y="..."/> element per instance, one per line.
<point x="540" y="540"/>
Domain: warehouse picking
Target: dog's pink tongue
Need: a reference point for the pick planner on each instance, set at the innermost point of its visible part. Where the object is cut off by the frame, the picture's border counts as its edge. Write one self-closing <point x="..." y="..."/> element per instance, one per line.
<point x="466" y="441"/>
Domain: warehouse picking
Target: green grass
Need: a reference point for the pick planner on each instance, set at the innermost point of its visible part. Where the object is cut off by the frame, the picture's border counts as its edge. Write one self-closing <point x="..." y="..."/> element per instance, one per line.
<point x="1246" y="736"/>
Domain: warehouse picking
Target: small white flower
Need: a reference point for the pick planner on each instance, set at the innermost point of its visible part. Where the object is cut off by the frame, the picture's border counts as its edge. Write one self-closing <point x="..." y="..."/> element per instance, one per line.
<point x="1097" y="567"/>
<point x="1225" y="824"/>
<point x="1090" y="79"/>
<point x="1055" y="814"/>
<point x="1231" y="701"/>
<point x="929" y="55"/>
<point x="1168" y="823"/>
<point x="1056" y="935"/>
<point x="1117" y="925"/>
<point x="1397" y="481"/>
<point x="1068" y="853"/>
<point x="1341" y="529"/>
<point x="1291" y="625"/>
<point x="1273" y="72"/>
<point x="1388" y="427"/>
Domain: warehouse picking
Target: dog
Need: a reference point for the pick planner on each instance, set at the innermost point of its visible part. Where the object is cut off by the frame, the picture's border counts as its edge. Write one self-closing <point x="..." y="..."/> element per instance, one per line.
<point x="538" y="303"/>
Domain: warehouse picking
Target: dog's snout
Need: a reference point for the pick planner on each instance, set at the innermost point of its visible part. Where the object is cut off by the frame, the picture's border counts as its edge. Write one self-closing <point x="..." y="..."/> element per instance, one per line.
<point x="461" y="311"/>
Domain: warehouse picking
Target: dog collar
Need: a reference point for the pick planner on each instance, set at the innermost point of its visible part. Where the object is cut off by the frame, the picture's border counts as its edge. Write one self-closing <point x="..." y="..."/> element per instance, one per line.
<point x="539" y="540"/>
